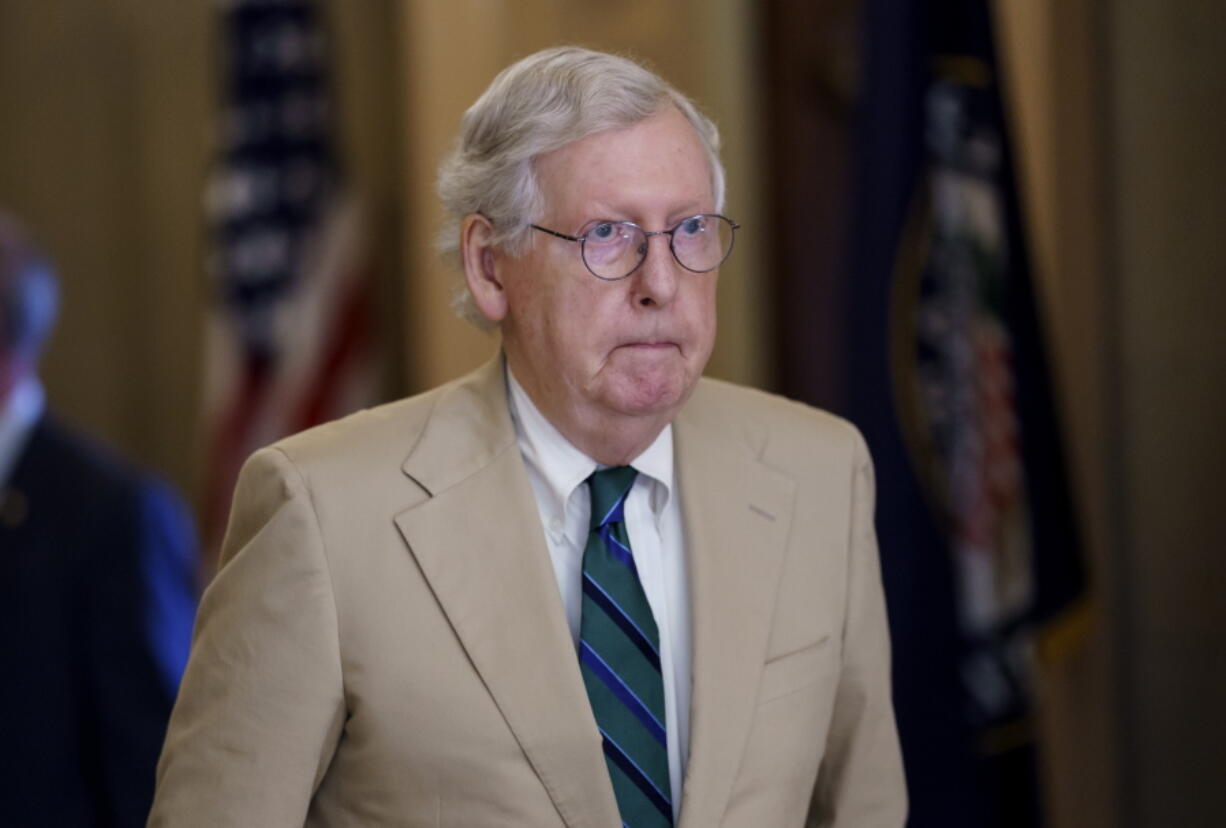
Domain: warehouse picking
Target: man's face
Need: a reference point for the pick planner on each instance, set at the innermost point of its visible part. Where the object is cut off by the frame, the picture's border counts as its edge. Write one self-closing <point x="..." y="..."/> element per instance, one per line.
<point x="593" y="353"/>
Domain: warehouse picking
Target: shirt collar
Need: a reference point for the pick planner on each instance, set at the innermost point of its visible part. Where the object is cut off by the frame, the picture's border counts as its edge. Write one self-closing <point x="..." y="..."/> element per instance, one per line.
<point x="563" y="467"/>
<point x="17" y="417"/>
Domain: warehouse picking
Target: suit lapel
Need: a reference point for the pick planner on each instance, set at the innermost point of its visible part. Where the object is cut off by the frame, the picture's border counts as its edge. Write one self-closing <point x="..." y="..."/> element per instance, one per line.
<point x="737" y="514"/>
<point x="479" y="542"/>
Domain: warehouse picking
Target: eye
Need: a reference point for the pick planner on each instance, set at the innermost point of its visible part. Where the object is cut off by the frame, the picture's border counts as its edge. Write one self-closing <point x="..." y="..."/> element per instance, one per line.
<point x="604" y="231"/>
<point x="695" y="226"/>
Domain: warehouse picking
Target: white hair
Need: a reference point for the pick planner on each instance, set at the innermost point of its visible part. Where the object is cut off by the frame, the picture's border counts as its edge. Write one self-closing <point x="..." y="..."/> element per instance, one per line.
<point x="535" y="106"/>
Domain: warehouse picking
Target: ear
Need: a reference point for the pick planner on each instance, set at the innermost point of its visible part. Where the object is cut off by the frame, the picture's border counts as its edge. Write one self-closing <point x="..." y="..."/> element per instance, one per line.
<point x="481" y="267"/>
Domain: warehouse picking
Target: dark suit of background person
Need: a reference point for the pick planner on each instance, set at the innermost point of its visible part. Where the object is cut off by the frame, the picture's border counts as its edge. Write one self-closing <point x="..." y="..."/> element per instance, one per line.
<point x="97" y="593"/>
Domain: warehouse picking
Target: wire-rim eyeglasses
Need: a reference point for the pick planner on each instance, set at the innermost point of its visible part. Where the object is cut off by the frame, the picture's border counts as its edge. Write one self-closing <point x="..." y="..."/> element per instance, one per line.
<point x="612" y="250"/>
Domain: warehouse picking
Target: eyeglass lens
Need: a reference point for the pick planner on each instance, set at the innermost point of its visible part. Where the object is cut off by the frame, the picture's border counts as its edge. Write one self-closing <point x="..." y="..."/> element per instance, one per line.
<point x="613" y="250"/>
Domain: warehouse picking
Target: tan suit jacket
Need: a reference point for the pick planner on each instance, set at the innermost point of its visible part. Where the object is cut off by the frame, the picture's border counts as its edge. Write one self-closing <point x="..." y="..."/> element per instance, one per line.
<point x="385" y="643"/>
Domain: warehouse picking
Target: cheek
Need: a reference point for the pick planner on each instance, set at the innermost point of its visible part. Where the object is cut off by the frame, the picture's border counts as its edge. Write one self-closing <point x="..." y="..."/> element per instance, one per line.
<point x="700" y="310"/>
<point x="566" y="327"/>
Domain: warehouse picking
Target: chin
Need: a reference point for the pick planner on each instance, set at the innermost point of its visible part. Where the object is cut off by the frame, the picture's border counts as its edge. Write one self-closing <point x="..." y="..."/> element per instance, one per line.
<point x="646" y="396"/>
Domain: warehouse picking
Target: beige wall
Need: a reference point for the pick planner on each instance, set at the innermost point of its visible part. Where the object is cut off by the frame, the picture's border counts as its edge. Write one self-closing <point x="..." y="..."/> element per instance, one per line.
<point x="1048" y="51"/>
<point x="1168" y="177"/>
<point x="101" y="153"/>
<point x="372" y="128"/>
<point x="1122" y="128"/>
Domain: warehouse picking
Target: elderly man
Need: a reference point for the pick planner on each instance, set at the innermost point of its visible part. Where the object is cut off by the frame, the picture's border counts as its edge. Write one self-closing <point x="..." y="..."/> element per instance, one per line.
<point x="581" y="586"/>
<point x="97" y="591"/>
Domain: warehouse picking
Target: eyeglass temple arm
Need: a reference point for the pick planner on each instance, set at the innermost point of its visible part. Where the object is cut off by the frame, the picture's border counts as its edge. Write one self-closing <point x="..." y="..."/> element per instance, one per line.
<point x="556" y="233"/>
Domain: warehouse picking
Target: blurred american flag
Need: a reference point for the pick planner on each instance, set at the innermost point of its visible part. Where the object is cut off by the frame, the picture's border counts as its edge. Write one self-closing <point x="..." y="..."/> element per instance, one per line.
<point x="289" y="339"/>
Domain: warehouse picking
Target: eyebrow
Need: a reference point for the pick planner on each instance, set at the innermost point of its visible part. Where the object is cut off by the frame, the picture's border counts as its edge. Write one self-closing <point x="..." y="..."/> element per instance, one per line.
<point x="678" y="214"/>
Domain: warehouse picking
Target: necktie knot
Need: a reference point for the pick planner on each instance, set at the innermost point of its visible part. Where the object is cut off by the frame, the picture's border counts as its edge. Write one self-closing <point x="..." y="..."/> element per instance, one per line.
<point x="609" y="488"/>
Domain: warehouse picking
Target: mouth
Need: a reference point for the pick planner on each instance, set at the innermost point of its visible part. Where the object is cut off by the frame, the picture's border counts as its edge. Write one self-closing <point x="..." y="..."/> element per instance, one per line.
<point x="650" y="345"/>
<point x="649" y="350"/>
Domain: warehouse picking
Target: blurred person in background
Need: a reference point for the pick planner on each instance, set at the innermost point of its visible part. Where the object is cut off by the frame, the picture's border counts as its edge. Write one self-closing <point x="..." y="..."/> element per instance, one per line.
<point x="98" y="573"/>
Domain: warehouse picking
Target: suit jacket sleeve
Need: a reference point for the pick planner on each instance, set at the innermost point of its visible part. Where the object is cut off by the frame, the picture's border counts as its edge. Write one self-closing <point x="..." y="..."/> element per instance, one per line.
<point x="262" y="702"/>
<point x="861" y="784"/>
<point x="170" y="568"/>
<point x="141" y="598"/>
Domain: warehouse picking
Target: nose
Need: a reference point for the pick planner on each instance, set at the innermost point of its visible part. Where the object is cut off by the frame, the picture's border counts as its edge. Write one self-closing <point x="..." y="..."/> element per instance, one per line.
<point x="656" y="280"/>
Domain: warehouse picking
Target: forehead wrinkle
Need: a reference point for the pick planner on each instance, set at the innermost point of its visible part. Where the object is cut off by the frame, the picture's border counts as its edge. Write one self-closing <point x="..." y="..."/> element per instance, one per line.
<point x="605" y="211"/>
<point x="670" y="177"/>
<point x="646" y="204"/>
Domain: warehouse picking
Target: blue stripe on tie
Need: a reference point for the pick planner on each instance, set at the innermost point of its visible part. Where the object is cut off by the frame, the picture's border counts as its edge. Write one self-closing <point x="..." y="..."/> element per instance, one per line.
<point x="613" y="681"/>
<point x="617" y="550"/>
<point x="619" y="617"/>
<point x="637" y="776"/>
<point x="622" y="618"/>
<point x="615" y="511"/>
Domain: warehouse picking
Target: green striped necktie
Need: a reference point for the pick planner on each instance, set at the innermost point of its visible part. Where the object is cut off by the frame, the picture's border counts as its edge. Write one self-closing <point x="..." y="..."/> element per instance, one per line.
<point x="619" y="656"/>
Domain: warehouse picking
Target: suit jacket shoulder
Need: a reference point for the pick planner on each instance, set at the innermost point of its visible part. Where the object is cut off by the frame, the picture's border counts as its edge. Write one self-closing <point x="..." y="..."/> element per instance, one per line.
<point x="451" y="431"/>
<point x="789" y="436"/>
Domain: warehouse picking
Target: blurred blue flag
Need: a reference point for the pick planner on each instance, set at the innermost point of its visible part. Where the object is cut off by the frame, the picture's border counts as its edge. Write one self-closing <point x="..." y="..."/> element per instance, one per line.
<point x="947" y="377"/>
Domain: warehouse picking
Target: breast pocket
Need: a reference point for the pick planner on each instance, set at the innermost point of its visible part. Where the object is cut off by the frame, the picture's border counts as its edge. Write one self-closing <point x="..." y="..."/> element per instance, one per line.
<point x="796" y="670"/>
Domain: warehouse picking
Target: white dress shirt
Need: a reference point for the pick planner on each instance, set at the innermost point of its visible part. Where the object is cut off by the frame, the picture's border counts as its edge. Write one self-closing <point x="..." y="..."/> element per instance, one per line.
<point x="17" y="418"/>
<point x="558" y="471"/>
